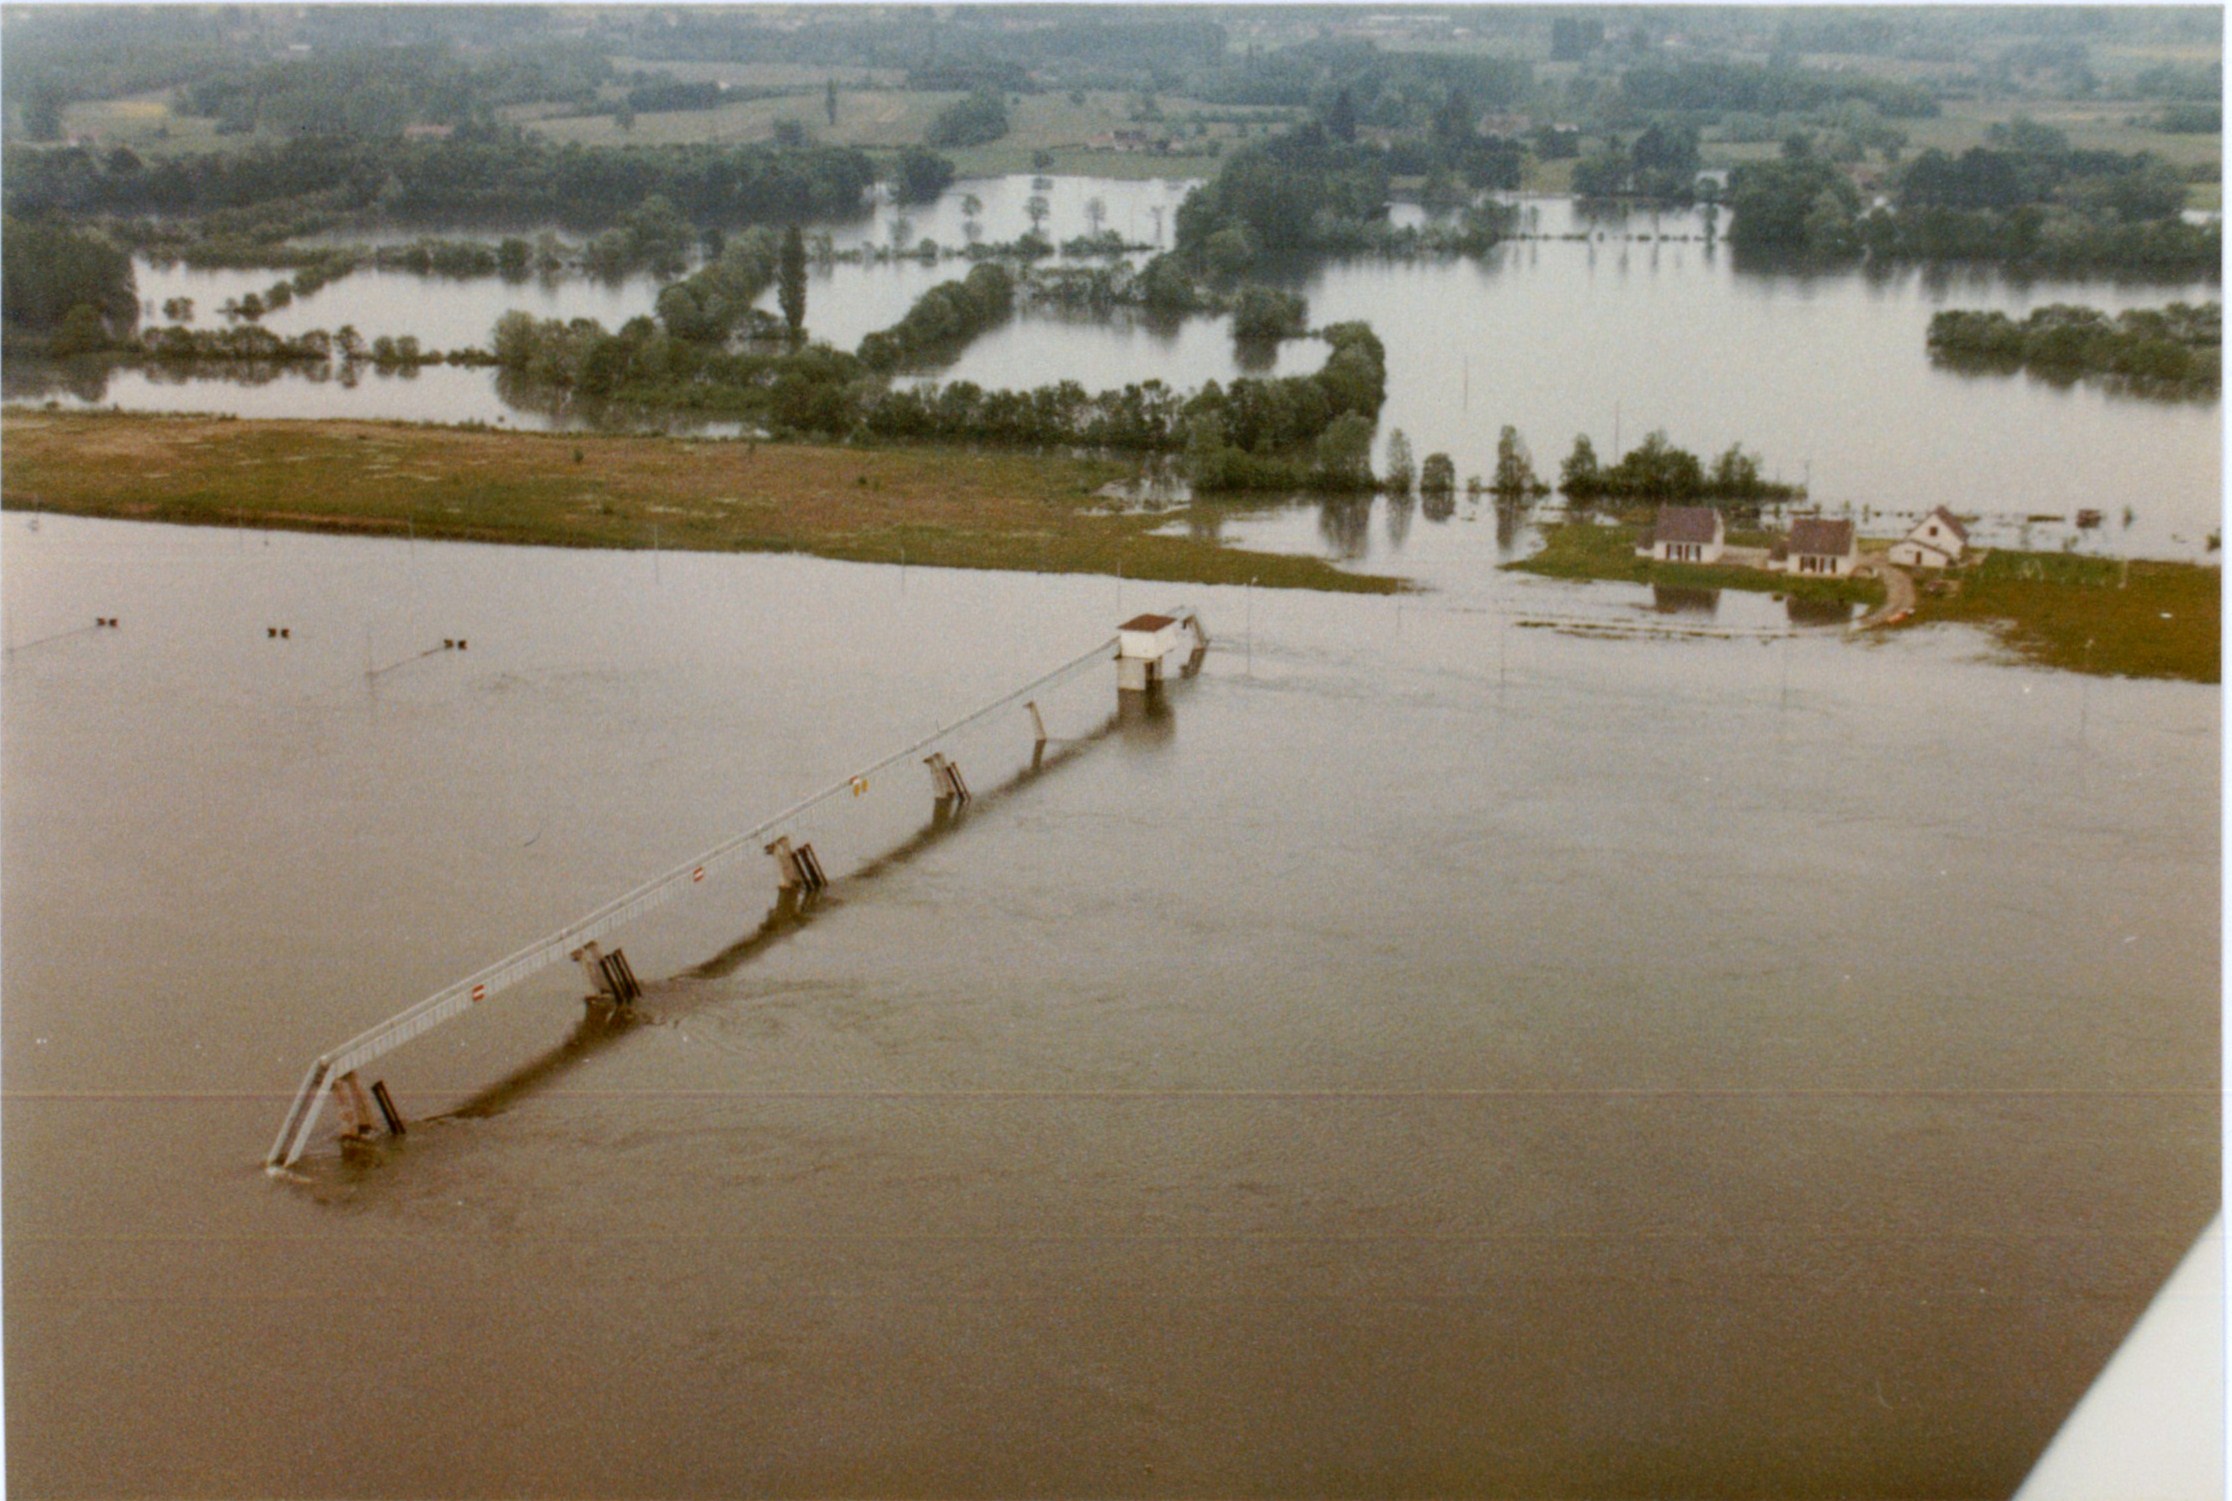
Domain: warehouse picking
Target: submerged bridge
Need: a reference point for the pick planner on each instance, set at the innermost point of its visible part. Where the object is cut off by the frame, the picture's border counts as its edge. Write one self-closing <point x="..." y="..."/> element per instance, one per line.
<point x="1141" y="647"/>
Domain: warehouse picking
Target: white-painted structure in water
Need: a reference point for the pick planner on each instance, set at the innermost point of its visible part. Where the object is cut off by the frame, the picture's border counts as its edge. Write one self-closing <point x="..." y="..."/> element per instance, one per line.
<point x="1144" y="641"/>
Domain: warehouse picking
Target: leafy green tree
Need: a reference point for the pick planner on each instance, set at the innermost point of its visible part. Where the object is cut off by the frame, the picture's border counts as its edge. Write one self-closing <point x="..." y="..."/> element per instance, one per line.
<point x="1230" y="251"/>
<point x="1515" y="475"/>
<point x="829" y="101"/>
<point x="1164" y="287"/>
<point x="42" y="110"/>
<point x="790" y="280"/>
<point x="1340" y="118"/>
<point x="922" y="176"/>
<point x="974" y="121"/>
<point x="1804" y="205"/>
<point x="50" y="269"/>
<point x="1261" y="313"/>
<point x="1437" y="476"/>
<point x="82" y="332"/>
<point x="1579" y="475"/>
<point x="1344" y="451"/>
<point x="1401" y="471"/>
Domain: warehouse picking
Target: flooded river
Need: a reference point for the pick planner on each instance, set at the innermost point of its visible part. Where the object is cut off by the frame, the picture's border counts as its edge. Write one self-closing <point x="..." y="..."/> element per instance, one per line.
<point x="1511" y="1042"/>
<point x="1641" y="323"/>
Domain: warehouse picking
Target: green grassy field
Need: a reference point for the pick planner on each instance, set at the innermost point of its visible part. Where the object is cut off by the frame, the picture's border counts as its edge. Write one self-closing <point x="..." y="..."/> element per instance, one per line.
<point x="2092" y="125"/>
<point x="145" y="123"/>
<point x="765" y="75"/>
<point x="936" y="507"/>
<point x="2099" y="615"/>
<point x="887" y="119"/>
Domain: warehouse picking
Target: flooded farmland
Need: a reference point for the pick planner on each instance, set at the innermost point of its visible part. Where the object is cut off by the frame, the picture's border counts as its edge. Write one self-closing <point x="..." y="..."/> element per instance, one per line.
<point x="1605" y="325"/>
<point x="1528" y="1039"/>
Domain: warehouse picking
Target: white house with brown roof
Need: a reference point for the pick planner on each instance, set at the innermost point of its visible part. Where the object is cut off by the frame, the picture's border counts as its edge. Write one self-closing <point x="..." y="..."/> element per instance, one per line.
<point x="1685" y="534"/>
<point x="1820" y="547"/>
<point x="1937" y="541"/>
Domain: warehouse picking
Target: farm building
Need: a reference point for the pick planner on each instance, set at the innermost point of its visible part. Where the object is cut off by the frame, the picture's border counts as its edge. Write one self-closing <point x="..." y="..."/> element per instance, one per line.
<point x="1818" y="546"/>
<point x="1937" y="541"/>
<point x="1685" y="534"/>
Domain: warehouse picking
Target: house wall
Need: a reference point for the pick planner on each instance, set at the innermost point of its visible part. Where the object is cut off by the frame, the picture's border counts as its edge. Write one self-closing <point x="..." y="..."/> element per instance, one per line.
<point x="1913" y="554"/>
<point x="1687" y="552"/>
<point x="1820" y="564"/>
<point x="1938" y="535"/>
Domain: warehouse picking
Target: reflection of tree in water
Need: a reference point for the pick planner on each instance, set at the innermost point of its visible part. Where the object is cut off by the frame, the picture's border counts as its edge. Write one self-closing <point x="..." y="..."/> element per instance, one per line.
<point x="1818" y="611"/>
<point x="1679" y="599"/>
<point x="518" y="392"/>
<point x="1438" y="505"/>
<point x="1399" y="511"/>
<point x="1512" y="512"/>
<point x="1346" y="523"/>
<point x="1255" y="356"/>
<point x="28" y="380"/>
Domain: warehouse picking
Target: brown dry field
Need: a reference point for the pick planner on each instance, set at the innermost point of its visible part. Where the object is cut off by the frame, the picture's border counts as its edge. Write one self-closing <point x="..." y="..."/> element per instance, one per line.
<point x="933" y="507"/>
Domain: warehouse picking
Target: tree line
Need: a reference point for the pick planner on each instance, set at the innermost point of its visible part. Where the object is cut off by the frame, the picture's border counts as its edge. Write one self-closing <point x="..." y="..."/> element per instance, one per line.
<point x="2175" y="350"/>
<point x="494" y="175"/>
<point x="1282" y="431"/>
<point x="942" y="319"/>
<point x="1657" y="470"/>
<point x="56" y="275"/>
<point x="2031" y="202"/>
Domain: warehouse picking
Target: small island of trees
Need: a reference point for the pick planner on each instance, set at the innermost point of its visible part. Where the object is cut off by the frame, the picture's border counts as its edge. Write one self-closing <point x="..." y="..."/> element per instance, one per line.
<point x="2171" y="351"/>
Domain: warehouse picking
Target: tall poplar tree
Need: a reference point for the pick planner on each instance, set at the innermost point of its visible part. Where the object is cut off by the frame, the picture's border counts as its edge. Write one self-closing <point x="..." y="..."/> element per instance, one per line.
<point x="790" y="279"/>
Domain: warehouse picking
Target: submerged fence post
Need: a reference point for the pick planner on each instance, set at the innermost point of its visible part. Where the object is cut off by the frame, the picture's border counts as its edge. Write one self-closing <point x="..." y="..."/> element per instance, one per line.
<point x="946" y="785"/>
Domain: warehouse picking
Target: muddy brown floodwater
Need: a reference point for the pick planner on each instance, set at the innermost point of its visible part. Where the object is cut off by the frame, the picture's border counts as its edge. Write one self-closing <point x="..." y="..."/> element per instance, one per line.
<point x="1437" y="1055"/>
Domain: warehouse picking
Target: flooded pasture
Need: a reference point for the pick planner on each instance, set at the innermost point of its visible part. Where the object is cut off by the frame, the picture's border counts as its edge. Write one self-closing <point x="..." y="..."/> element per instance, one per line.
<point x="1608" y="325"/>
<point x="1527" y="1040"/>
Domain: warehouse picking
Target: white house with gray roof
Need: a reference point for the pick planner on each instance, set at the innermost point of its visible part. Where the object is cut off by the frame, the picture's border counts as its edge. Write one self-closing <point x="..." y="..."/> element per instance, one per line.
<point x="1685" y="534"/>
<point x="1937" y="541"/>
<point x="1821" y="548"/>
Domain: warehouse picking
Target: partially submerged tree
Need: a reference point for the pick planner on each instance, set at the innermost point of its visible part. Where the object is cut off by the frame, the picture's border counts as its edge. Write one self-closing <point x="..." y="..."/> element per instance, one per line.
<point x="1401" y="471"/>
<point x="790" y="276"/>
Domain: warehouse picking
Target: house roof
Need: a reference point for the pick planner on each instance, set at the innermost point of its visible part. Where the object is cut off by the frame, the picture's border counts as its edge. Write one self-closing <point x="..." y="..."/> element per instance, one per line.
<point x="1820" y="537"/>
<point x="1147" y="623"/>
<point x="1687" y="524"/>
<point x="1946" y="519"/>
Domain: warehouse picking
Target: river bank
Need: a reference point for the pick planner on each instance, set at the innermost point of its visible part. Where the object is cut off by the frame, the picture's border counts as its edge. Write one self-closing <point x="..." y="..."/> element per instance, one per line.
<point x="951" y="508"/>
<point x="2145" y="619"/>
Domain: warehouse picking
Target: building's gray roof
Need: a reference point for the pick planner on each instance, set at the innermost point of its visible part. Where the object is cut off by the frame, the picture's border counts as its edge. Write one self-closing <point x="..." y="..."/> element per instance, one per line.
<point x="1820" y="537"/>
<point x="1687" y="524"/>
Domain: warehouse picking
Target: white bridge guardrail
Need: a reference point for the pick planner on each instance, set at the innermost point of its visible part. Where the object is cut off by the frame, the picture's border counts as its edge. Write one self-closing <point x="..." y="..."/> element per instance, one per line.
<point x="454" y="1000"/>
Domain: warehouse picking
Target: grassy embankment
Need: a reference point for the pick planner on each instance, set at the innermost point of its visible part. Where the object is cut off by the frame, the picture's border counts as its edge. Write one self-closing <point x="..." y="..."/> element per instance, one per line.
<point x="935" y="507"/>
<point x="2147" y="620"/>
<point x="2150" y="620"/>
